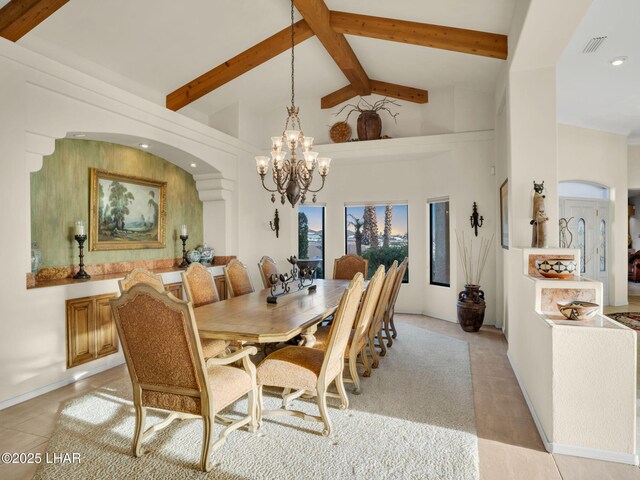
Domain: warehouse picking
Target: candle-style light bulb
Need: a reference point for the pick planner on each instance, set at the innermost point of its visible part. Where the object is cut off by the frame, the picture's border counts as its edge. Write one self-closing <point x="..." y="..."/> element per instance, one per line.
<point x="79" y="228"/>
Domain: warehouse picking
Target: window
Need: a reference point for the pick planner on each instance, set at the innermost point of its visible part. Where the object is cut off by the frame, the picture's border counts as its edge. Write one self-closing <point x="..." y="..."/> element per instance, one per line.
<point x="311" y="236"/>
<point x="603" y="246"/>
<point x="378" y="233"/>
<point x="582" y="245"/>
<point x="439" y="259"/>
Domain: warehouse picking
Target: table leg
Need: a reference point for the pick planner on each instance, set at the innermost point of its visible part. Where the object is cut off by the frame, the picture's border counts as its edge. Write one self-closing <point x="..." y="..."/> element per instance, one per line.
<point x="308" y="339"/>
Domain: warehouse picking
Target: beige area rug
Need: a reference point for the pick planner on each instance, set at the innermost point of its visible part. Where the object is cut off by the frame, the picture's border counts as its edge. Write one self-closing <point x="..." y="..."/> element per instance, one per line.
<point x="414" y="420"/>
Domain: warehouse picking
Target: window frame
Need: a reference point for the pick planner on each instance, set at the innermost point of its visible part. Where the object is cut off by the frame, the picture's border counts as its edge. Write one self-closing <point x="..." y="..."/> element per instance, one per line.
<point x="324" y="237"/>
<point x="431" y="204"/>
<point x="398" y="203"/>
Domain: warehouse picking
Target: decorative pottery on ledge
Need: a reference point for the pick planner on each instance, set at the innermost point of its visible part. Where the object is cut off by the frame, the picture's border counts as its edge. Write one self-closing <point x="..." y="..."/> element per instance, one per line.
<point x="556" y="268"/>
<point x="577" y="309"/>
<point x="471" y="307"/>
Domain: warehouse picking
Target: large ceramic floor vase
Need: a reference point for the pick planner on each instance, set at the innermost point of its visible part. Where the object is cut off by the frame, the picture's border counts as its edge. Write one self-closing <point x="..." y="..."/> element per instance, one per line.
<point x="471" y="306"/>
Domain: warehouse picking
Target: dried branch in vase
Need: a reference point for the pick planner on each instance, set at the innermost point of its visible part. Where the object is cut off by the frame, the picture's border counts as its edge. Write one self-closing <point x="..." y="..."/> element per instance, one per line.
<point x="473" y="265"/>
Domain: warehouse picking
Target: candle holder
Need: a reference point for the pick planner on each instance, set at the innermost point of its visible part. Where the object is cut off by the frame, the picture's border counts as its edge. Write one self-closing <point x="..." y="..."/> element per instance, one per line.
<point x="81" y="275"/>
<point x="185" y="262"/>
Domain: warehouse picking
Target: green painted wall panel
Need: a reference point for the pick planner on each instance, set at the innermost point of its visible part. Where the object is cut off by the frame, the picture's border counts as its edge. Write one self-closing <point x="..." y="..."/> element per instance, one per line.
<point x="60" y="196"/>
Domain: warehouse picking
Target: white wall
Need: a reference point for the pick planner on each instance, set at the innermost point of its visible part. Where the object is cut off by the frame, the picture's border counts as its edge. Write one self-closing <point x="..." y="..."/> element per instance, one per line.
<point x="633" y="154"/>
<point x="600" y="157"/>
<point x="450" y="110"/>
<point x="411" y="170"/>
<point x="41" y="101"/>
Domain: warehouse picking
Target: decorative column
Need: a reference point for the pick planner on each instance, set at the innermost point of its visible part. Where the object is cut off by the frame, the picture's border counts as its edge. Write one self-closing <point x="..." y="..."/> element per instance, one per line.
<point x="218" y="212"/>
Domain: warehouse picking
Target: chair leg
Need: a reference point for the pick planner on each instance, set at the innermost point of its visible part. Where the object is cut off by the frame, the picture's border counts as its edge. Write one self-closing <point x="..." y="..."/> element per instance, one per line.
<point x="393" y="326"/>
<point x="322" y="406"/>
<point x="353" y="369"/>
<point x="383" y="348"/>
<point x="374" y="352"/>
<point x="388" y="333"/>
<point x="207" y="432"/>
<point x="344" y="400"/>
<point x="259" y="406"/>
<point x="365" y="361"/>
<point x="253" y="409"/>
<point x="141" y="416"/>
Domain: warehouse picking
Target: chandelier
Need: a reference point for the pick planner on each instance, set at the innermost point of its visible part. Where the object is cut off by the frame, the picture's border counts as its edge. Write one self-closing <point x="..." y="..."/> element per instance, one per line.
<point x="292" y="172"/>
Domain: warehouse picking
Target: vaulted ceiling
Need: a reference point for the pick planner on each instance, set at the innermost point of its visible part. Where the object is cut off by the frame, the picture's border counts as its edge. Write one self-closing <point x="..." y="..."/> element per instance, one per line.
<point x="591" y="92"/>
<point x="154" y="47"/>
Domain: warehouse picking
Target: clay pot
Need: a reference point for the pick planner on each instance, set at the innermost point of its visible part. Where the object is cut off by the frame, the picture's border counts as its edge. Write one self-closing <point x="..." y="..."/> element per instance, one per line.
<point x="471" y="308"/>
<point x="369" y="126"/>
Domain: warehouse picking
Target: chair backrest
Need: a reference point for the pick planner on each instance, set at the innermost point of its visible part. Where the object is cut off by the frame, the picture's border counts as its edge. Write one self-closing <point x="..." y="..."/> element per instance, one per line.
<point x="341" y="327"/>
<point x="199" y="285"/>
<point x="267" y="267"/>
<point x="140" y="275"/>
<point x="160" y="343"/>
<point x="383" y="300"/>
<point x="398" y="283"/>
<point x="366" y="310"/>
<point x="237" y="278"/>
<point x="345" y="267"/>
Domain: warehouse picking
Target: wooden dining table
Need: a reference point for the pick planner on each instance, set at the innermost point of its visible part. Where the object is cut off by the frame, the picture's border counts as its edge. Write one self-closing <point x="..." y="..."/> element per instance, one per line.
<point x="250" y="318"/>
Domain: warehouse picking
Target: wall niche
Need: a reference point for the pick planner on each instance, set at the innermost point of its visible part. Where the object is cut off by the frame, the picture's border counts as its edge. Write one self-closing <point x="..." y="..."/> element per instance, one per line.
<point x="60" y="196"/>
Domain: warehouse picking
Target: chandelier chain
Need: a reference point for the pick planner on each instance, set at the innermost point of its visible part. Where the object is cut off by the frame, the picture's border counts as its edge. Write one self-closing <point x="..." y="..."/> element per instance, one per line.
<point x="292" y="59"/>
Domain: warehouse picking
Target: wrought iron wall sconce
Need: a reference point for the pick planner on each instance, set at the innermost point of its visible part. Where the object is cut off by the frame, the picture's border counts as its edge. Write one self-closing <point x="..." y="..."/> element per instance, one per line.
<point x="275" y="224"/>
<point x="476" y="219"/>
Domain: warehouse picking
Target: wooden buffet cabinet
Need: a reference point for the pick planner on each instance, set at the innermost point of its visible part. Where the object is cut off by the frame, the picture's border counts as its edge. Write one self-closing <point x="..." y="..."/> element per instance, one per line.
<point x="91" y="331"/>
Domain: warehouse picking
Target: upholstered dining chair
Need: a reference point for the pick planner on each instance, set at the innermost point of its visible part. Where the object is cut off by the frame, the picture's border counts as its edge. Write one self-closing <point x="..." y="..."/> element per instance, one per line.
<point x="141" y="275"/>
<point x="389" y="326"/>
<point x="199" y="285"/>
<point x="357" y="344"/>
<point x="164" y="357"/>
<point x="311" y="371"/>
<point x="345" y="267"/>
<point x="237" y="279"/>
<point x="375" y="330"/>
<point x="267" y="267"/>
<point x="210" y="347"/>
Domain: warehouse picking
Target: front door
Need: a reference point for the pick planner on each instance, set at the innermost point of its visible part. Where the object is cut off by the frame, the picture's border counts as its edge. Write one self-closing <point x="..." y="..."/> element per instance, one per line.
<point x="589" y="227"/>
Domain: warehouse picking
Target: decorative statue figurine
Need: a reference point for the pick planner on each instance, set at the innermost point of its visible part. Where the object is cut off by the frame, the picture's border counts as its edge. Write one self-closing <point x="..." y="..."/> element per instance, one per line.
<point x="539" y="218"/>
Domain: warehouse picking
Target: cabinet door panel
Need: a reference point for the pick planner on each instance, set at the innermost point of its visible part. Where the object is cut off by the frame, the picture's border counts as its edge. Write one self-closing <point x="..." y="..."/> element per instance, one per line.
<point x="221" y="286"/>
<point x="81" y="344"/>
<point x="175" y="289"/>
<point x="106" y="332"/>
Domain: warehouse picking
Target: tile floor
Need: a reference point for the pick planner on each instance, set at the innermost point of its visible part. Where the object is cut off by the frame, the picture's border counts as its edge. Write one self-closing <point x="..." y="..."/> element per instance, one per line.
<point x="508" y="441"/>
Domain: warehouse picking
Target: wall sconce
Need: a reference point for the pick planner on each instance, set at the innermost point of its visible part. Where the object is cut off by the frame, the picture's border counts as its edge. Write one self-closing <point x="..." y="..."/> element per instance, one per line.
<point x="476" y="219"/>
<point x="275" y="224"/>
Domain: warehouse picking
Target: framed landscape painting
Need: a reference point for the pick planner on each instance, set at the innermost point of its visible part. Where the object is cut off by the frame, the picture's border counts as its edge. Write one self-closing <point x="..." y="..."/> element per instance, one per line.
<point x="126" y="212"/>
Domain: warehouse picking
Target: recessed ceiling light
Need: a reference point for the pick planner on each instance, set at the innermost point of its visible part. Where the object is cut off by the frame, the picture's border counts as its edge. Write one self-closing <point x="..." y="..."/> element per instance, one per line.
<point x="78" y="135"/>
<point x="194" y="165"/>
<point x="616" y="62"/>
<point x="143" y="145"/>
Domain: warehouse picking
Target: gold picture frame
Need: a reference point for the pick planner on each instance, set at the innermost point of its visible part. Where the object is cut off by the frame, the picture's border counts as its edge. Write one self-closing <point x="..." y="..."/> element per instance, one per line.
<point x="126" y="212"/>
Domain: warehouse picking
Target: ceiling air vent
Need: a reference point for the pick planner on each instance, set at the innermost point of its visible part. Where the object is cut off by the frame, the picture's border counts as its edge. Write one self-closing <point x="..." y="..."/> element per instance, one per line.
<point x="593" y="44"/>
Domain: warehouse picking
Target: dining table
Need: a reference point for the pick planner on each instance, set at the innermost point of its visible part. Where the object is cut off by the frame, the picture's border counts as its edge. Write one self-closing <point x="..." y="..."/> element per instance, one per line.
<point x="250" y="318"/>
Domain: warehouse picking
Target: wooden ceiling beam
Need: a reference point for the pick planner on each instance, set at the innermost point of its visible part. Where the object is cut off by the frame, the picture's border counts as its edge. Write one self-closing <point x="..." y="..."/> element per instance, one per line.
<point x="318" y="16"/>
<point x="392" y="90"/>
<point x="236" y="66"/>
<point x="447" y="38"/>
<point x="19" y="17"/>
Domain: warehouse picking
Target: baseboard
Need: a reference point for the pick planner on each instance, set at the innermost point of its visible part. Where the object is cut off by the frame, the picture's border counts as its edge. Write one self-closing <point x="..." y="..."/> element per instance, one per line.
<point x="628" y="458"/>
<point x="596" y="454"/>
<point x="62" y="383"/>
